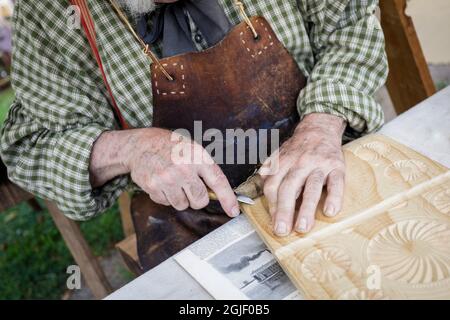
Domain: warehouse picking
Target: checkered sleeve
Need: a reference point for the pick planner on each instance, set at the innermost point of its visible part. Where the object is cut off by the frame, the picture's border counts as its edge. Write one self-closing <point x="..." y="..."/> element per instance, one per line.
<point x="57" y="116"/>
<point x="350" y="63"/>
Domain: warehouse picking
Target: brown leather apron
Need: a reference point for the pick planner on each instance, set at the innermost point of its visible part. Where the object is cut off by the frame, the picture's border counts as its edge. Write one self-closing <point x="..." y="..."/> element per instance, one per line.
<point x="243" y="82"/>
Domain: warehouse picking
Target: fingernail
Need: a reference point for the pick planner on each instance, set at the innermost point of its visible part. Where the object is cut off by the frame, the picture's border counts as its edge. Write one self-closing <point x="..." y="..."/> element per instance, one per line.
<point x="235" y="211"/>
<point x="330" y="211"/>
<point x="281" y="228"/>
<point x="303" y="225"/>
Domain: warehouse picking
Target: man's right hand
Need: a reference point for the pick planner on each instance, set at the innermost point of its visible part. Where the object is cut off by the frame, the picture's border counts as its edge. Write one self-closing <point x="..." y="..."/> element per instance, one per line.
<point x="151" y="156"/>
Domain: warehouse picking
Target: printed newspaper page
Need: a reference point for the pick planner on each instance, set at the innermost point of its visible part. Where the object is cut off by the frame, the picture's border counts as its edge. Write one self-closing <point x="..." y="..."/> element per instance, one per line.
<point x="234" y="263"/>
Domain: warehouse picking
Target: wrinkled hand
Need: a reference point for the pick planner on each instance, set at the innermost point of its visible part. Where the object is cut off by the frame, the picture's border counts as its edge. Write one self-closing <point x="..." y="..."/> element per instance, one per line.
<point x="311" y="158"/>
<point x="156" y="166"/>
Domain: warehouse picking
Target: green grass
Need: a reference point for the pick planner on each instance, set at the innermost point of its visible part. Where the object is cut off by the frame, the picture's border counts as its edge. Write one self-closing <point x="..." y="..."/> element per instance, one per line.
<point x="33" y="256"/>
<point x="6" y="98"/>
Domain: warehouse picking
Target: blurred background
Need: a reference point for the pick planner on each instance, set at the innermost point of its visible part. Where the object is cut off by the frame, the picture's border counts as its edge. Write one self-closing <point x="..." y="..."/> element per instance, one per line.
<point x="33" y="255"/>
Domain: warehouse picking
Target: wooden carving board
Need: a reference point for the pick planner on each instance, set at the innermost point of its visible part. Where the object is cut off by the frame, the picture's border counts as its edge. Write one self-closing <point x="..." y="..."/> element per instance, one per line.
<point x="392" y="238"/>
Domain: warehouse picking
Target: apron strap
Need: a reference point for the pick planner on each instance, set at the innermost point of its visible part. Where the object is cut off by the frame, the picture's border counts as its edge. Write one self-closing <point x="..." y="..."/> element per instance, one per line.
<point x="89" y="28"/>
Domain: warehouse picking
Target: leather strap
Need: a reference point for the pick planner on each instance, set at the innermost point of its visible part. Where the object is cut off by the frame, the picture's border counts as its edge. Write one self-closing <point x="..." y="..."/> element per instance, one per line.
<point x="89" y="28"/>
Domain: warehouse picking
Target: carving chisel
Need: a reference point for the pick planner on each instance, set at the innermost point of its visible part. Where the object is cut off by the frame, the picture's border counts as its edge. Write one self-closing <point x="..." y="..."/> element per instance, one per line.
<point x="241" y="198"/>
<point x="251" y="189"/>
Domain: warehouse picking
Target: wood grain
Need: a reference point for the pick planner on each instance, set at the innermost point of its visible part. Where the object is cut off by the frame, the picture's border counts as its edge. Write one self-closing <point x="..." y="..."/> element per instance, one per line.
<point x="395" y="220"/>
<point x="409" y="81"/>
<point x="128" y="250"/>
<point x="125" y="214"/>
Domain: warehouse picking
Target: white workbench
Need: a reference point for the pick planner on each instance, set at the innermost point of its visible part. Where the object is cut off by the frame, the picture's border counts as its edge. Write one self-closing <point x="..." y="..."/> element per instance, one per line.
<point x="425" y="128"/>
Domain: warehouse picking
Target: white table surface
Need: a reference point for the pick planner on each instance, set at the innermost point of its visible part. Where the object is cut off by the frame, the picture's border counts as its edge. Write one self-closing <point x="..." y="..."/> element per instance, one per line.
<point x="424" y="128"/>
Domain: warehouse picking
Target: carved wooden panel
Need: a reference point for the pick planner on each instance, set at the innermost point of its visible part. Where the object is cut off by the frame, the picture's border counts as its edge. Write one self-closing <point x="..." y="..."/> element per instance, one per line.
<point x="392" y="238"/>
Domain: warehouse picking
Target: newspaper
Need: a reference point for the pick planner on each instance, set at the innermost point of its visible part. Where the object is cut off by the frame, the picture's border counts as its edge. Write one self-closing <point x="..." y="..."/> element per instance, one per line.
<point x="233" y="262"/>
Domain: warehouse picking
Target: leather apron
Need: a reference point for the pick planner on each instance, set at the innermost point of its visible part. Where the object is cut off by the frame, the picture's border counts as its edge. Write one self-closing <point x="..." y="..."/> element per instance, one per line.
<point x="243" y="82"/>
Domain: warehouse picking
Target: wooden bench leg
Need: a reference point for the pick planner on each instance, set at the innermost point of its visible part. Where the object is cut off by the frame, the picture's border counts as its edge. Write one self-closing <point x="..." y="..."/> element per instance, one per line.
<point x="81" y="252"/>
<point x="125" y="214"/>
<point x="409" y="81"/>
<point x="128" y="250"/>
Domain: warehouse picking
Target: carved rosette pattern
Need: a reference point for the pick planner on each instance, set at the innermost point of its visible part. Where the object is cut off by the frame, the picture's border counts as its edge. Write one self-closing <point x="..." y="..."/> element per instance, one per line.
<point x="412" y="251"/>
<point x="372" y="151"/>
<point x="409" y="170"/>
<point x="326" y="265"/>
<point x="441" y="201"/>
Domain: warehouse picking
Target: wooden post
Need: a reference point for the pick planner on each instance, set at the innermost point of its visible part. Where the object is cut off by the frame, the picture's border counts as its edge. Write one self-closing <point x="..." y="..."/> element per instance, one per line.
<point x="409" y="81"/>
<point x="81" y="252"/>
<point x="128" y="250"/>
<point x="125" y="214"/>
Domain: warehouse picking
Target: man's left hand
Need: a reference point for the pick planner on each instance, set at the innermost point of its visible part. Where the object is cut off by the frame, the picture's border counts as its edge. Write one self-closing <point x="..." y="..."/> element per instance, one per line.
<point x="310" y="159"/>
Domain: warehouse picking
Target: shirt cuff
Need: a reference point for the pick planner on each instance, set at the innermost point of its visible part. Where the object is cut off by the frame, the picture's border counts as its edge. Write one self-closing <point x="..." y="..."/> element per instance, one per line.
<point x="71" y="178"/>
<point x="362" y="113"/>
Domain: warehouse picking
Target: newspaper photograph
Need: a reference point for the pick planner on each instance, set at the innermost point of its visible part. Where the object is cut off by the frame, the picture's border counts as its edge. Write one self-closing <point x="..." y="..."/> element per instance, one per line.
<point x="234" y="263"/>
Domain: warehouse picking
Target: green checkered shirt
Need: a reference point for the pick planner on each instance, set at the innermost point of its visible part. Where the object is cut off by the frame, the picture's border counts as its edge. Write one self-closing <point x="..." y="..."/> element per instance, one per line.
<point x="62" y="105"/>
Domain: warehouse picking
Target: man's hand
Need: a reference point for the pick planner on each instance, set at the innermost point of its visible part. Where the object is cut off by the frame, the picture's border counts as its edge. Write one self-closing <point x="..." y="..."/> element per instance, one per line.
<point x="311" y="158"/>
<point x="152" y="156"/>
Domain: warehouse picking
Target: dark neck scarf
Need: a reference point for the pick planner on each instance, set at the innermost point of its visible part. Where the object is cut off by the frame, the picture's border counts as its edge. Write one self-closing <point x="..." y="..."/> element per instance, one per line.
<point x="171" y="24"/>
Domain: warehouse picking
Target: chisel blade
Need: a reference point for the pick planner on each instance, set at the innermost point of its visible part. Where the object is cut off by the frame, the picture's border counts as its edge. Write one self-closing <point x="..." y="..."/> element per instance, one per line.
<point x="244" y="199"/>
<point x="241" y="198"/>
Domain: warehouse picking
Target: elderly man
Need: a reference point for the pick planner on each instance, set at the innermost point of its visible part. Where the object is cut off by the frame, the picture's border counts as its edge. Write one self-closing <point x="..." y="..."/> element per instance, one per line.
<point x="62" y="141"/>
